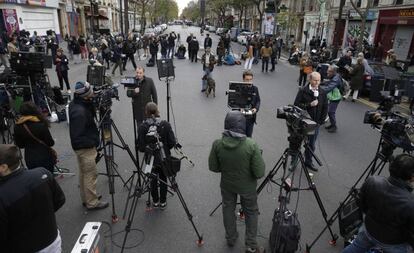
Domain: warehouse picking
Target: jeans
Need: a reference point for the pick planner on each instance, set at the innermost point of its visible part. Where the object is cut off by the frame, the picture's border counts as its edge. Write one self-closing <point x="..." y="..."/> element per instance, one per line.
<point x="365" y="241"/>
<point x="265" y="62"/>
<point x="170" y="53"/>
<point x="207" y="73"/>
<point x="273" y="61"/>
<point x="333" y="105"/>
<point x="88" y="176"/>
<point x="312" y="142"/>
<point x="278" y="52"/>
<point x="117" y="64"/>
<point x="251" y="211"/>
<point x="249" y="127"/>
<point x="248" y="64"/>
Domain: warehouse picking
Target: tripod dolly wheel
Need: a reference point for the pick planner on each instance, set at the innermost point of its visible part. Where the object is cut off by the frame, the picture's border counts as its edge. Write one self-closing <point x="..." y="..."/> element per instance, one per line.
<point x="200" y="242"/>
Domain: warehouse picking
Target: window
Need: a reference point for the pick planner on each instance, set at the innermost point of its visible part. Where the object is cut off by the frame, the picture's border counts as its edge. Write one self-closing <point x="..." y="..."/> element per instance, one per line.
<point x="375" y="4"/>
<point x="399" y="2"/>
<point x="359" y="3"/>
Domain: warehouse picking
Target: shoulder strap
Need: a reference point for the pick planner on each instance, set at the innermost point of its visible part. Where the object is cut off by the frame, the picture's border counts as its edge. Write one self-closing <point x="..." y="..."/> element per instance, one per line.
<point x="34" y="137"/>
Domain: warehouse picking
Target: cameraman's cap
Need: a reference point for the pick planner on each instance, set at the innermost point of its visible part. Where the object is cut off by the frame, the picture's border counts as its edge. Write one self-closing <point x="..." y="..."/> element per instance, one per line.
<point x="83" y="89"/>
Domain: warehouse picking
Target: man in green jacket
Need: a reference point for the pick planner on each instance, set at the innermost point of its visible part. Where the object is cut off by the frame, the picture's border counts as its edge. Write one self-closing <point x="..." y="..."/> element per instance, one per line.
<point x="240" y="163"/>
<point x="331" y="87"/>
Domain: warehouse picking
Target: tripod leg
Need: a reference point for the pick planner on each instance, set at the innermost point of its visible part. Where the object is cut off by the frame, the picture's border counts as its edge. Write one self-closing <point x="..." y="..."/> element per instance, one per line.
<point x="318" y="199"/>
<point x="174" y="186"/>
<point x="273" y="172"/>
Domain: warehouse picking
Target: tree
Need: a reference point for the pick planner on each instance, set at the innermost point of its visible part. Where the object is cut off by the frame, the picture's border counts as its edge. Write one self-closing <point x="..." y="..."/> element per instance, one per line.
<point x="164" y="10"/>
<point x="219" y="7"/>
<point x="240" y="6"/>
<point x="191" y="11"/>
<point x="143" y="4"/>
<point x="259" y="4"/>
<point x="363" y="15"/>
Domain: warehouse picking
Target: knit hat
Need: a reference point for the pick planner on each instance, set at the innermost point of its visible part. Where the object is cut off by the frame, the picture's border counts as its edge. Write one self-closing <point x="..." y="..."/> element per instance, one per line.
<point x="83" y="89"/>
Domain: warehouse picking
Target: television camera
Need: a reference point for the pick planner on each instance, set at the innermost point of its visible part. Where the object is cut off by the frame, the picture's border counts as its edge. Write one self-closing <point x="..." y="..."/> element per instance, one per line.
<point x="240" y="97"/>
<point x="396" y="129"/>
<point x="298" y="121"/>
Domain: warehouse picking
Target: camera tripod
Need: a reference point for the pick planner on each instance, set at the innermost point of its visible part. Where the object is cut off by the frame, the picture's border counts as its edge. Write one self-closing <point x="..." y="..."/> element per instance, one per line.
<point x="140" y="189"/>
<point x="106" y="124"/>
<point x="382" y="156"/>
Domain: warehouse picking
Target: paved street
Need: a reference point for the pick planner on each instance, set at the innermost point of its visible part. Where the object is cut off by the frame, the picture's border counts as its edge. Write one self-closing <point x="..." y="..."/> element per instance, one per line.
<point x="199" y="121"/>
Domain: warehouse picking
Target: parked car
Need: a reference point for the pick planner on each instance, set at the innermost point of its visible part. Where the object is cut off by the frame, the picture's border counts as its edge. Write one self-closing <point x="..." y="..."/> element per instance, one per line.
<point x="221" y="31"/>
<point x="164" y="27"/>
<point x="207" y="28"/>
<point x="149" y="32"/>
<point x="242" y="38"/>
<point x="235" y="31"/>
<point x="212" y="29"/>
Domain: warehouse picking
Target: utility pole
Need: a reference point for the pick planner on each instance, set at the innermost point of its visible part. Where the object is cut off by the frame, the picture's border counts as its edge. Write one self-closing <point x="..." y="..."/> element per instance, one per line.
<point x="126" y="16"/>
<point x="202" y="11"/>
<point x="337" y="26"/>
<point x="121" y="20"/>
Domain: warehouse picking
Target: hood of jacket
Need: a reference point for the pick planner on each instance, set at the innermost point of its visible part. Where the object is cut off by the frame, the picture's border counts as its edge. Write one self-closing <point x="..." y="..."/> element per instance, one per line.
<point x="235" y="129"/>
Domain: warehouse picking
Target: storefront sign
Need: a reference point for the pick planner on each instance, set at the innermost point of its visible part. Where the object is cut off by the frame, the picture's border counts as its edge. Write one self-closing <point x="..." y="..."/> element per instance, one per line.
<point x="10" y="21"/>
<point x="371" y="15"/>
<point x="37" y="2"/>
<point x="407" y="13"/>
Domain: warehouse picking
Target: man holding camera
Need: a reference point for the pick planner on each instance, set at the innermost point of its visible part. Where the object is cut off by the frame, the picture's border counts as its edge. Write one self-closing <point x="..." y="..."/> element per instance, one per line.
<point x="28" y="202"/>
<point x="143" y="93"/>
<point x="240" y="163"/>
<point x="162" y="129"/>
<point x="84" y="137"/>
<point x="388" y="205"/>
<point x="313" y="99"/>
<point x="251" y="111"/>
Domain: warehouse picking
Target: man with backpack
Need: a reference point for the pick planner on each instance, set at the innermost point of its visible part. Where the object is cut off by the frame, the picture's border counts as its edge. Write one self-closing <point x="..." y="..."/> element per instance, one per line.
<point x="333" y="88"/>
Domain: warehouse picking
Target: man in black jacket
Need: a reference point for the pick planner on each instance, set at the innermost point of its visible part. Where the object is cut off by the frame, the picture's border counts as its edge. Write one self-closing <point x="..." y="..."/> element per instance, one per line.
<point x="153" y="48"/>
<point x="188" y="40"/>
<point x="251" y="111"/>
<point x="84" y="137"/>
<point x="171" y="45"/>
<point x="207" y="41"/>
<point x="145" y="144"/>
<point x="388" y="205"/>
<point x="129" y="48"/>
<point x="313" y="99"/>
<point x="143" y="93"/>
<point x="28" y="202"/>
<point x="193" y="48"/>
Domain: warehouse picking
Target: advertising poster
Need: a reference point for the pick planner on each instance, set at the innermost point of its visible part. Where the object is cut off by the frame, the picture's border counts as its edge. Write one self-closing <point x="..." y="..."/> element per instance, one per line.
<point x="269" y="23"/>
<point x="10" y="21"/>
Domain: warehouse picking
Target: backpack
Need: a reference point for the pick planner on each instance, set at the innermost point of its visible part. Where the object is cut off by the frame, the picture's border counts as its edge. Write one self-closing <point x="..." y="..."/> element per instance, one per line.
<point x="285" y="234"/>
<point x="345" y="87"/>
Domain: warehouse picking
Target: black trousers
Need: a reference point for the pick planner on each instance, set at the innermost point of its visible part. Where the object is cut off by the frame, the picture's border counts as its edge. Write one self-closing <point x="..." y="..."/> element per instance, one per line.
<point x="249" y="127"/>
<point x="160" y="196"/>
<point x="273" y="61"/>
<point x="302" y="78"/>
<point x="63" y="75"/>
<point x="193" y="56"/>
<point x="131" y="57"/>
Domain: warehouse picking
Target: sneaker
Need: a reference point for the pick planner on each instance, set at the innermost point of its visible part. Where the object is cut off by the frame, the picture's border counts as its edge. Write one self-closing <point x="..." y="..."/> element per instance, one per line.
<point x="332" y="129"/>
<point x="255" y="250"/>
<point x="69" y="91"/>
<point x="156" y="204"/>
<point x="100" y="205"/>
<point x="163" y="205"/>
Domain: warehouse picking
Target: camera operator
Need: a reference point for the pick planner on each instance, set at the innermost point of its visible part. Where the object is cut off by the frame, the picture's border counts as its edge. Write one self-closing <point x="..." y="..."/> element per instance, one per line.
<point x="388" y="205"/>
<point x="28" y="202"/>
<point x="313" y="99"/>
<point x="167" y="138"/>
<point x="240" y="163"/>
<point x="254" y="106"/>
<point x="84" y="137"/>
<point x="143" y="93"/>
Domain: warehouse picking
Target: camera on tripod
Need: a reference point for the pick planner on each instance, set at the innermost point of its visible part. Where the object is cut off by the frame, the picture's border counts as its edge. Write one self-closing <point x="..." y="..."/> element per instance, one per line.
<point x="298" y="121"/>
<point x="396" y="129"/>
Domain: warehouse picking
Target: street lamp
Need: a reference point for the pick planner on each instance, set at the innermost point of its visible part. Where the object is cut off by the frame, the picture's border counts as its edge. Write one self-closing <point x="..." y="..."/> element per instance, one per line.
<point x="321" y="3"/>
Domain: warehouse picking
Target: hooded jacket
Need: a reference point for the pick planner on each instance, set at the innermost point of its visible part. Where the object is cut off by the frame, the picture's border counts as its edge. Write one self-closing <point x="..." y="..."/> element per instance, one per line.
<point x="236" y="157"/>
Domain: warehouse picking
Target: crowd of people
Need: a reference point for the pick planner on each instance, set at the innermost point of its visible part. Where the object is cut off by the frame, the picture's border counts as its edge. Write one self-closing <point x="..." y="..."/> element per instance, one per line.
<point x="235" y="155"/>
